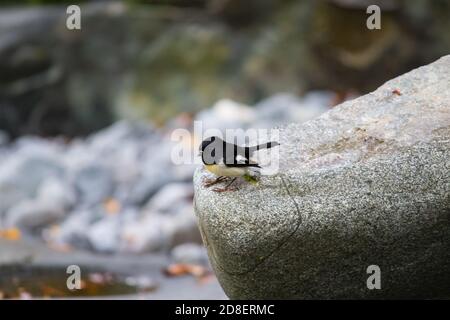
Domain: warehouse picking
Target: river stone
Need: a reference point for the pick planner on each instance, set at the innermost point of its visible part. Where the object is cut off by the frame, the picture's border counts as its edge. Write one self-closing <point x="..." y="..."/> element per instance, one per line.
<point x="366" y="183"/>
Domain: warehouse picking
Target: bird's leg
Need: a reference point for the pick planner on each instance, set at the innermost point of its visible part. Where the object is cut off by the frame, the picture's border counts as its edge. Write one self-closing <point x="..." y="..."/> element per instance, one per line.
<point x="208" y="183"/>
<point x="227" y="187"/>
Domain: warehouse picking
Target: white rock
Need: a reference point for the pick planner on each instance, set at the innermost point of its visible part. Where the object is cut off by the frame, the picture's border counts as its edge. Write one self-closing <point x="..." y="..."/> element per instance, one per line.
<point x="170" y="196"/>
<point x="73" y="231"/>
<point x="146" y="235"/>
<point x="155" y="172"/>
<point x="190" y="253"/>
<point x="226" y="114"/>
<point x="57" y="191"/>
<point x="287" y="108"/>
<point x="78" y="155"/>
<point x="104" y="234"/>
<point x="31" y="146"/>
<point x="95" y="183"/>
<point x="21" y="175"/>
<point x="156" y="232"/>
<point x="32" y="214"/>
<point x="147" y="184"/>
<point x="184" y="227"/>
<point x="184" y="172"/>
<point x="125" y="162"/>
<point x="121" y="132"/>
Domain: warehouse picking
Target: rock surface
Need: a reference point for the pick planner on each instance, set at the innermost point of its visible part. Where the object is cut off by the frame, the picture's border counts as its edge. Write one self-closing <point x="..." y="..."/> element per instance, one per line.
<point x="366" y="183"/>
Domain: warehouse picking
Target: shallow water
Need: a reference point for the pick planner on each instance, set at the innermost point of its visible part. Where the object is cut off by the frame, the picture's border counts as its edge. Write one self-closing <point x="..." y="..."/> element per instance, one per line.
<point x="25" y="282"/>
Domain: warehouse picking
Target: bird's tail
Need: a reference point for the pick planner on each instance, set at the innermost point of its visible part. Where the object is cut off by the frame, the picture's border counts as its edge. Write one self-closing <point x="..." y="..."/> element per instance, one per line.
<point x="262" y="146"/>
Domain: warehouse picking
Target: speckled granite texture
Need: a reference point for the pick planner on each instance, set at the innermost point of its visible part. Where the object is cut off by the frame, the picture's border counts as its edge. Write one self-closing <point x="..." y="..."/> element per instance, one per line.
<point x="366" y="183"/>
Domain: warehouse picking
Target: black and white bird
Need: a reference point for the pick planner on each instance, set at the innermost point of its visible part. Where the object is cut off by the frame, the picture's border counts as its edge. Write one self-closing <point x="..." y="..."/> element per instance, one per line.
<point x="228" y="160"/>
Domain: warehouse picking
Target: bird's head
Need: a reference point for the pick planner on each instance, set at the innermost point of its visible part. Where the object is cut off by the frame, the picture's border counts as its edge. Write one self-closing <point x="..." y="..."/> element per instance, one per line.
<point x="205" y="143"/>
<point x="208" y="149"/>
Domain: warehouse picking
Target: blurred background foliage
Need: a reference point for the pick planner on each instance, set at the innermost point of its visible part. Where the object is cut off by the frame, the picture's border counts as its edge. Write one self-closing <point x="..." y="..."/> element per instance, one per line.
<point x="155" y="59"/>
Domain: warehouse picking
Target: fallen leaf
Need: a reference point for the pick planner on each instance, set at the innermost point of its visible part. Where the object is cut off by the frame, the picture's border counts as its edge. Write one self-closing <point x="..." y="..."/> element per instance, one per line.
<point x="180" y="269"/>
<point x="207" y="278"/>
<point x="100" y="278"/>
<point x="60" y="247"/>
<point x="175" y="270"/>
<point x="12" y="234"/>
<point x="83" y="284"/>
<point x="55" y="230"/>
<point x="48" y="291"/>
<point x="111" y="206"/>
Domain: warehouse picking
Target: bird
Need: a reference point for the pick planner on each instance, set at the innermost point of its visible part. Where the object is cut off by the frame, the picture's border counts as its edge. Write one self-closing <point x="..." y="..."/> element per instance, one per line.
<point x="228" y="160"/>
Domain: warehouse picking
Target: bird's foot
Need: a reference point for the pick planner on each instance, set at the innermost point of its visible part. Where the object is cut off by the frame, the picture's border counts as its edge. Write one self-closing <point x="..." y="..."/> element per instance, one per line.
<point x="210" y="182"/>
<point x="251" y="179"/>
<point x="225" y="189"/>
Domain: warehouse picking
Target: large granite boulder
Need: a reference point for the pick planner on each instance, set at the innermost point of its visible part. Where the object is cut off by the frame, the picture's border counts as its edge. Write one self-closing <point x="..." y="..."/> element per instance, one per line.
<point x="366" y="183"/>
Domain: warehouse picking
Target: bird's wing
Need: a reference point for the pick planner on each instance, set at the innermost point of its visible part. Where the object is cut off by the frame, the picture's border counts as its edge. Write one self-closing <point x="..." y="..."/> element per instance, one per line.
<point x="241" y="161"/>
